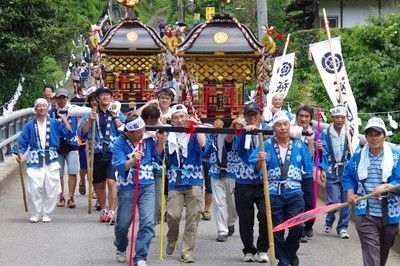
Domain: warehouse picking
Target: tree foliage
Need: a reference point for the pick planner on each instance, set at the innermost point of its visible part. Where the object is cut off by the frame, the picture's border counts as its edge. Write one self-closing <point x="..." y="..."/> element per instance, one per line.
<point x="371" y="54"/>
<point x="31" y="31"/>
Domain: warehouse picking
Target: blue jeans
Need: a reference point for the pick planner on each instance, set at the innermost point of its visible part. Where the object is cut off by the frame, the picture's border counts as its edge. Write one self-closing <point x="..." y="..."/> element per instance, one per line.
<point x="336" y="194"/>
<point x="285" y="207"/>
<point x="145" y="233"/>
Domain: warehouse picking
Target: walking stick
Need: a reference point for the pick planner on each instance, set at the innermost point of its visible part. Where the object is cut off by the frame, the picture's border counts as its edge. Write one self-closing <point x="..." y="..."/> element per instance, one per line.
<point x="135" y="200"/>
<point x="268" y="211"/>
<point x="21" y="176"/>
<point x="91" y="162"/>
<point x="162" y="211"/>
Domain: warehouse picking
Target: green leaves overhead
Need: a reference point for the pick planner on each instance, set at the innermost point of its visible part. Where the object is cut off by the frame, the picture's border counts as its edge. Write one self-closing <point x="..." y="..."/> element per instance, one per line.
<point x="34" y="29"/>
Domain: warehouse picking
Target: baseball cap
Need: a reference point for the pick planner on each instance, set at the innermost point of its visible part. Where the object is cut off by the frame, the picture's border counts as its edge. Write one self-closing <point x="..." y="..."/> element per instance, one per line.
<point x="377" y="124"/>
<point x="178" y="108"/>
<point x="61" y="92"/>
<point x="104" y="90"/>
<point x="251" y="107"/>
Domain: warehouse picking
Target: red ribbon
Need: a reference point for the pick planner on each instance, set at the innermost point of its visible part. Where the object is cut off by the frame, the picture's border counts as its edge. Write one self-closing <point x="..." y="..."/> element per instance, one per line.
<point x="135" y="202"/>
<point x="272" y="31"/>
<point x="191" y="128"/>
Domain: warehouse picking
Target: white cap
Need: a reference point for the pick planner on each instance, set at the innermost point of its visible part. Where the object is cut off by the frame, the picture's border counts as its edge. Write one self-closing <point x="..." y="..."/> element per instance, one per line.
<point x="339" y="110"/>
<point x="279" y="116"/>
<point x="178" y="108"/>
<point x="377" y="124"/>
<point x="90" y="90"/>
<point x="135" y="124"/>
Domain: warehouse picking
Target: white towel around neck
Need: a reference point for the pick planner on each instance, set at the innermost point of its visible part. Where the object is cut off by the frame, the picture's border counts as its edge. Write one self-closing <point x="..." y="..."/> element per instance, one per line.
<point x="176" y="140"/>
<point x="387" y="163"/>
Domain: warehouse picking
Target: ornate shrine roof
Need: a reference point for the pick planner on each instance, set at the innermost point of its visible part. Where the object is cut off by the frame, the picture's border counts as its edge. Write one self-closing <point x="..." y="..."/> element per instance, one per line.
<point x="131" y="35"/>
<point x="222" y="34"/>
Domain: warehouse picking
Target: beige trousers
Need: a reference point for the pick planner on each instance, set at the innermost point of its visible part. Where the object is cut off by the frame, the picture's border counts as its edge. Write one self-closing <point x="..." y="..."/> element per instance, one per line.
<point x="191" y="198"/>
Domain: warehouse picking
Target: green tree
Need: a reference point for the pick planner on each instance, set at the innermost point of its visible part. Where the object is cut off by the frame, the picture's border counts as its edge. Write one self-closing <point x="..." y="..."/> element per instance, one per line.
<point x="29" y="32"/>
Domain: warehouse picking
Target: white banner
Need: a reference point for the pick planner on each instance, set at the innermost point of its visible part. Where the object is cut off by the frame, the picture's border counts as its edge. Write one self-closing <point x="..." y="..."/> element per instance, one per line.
<point x="282" y="75"/>
<point x="281" y="80"/>
<point x="323" y="59"/>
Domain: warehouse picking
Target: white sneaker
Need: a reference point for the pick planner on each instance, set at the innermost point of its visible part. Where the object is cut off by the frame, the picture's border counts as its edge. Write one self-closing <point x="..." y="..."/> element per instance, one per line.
<point x="141" y="263"/>
<point x="327" y="229"/>
<point x="46" y="219"/>
<point x="121" y="256"/>
<point x="34" y="219"/>
<point x="263" y="257"/>
<point x="248" y="257"/>
<point x="343" y="234"/>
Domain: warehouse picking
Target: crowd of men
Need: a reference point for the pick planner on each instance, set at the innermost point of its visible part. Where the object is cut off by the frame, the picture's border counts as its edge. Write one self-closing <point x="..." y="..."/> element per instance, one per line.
<point x="128" y="161"/>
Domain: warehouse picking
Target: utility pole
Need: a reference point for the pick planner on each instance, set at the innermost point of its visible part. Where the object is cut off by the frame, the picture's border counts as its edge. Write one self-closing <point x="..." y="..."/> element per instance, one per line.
<point x="110" y="11"/>
<point x="262" y="17"/>
<point x="181" y="13"/>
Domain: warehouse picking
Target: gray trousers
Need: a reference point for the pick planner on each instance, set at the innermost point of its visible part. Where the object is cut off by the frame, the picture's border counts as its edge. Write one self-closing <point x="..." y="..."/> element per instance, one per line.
<point x="376" y="239"/>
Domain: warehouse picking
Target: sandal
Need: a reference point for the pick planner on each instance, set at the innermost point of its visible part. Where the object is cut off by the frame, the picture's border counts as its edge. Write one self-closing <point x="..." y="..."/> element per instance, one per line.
<point x="71" y="203"/>
<point x="61" y="202"/>
<point x="82" y="188"/>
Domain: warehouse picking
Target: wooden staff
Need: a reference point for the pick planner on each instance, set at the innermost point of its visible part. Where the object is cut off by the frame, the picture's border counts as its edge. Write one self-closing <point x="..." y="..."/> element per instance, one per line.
<point x="91" y="162"/>
<point x="268" y="210"/>
<point x="162" y="211"/>
<point x="21" y="177"/>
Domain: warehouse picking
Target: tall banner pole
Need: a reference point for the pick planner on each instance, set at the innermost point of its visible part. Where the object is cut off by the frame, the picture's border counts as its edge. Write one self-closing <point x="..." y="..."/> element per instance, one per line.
<point x="328" y="33"/>
<point x="341" y="102"/>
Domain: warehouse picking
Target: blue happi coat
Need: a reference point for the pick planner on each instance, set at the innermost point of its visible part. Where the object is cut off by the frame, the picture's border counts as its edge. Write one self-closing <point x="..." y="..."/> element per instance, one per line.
<point x="190" y="172"/>
<point x="27" y="139"/>
<point x="300" y="167"/>
<point x="238" y="162"/>
<point x="122" y="152"/>
<point x="73" y="121"/>
<point x="351" y="180"/>
<point x="107" y="143"/>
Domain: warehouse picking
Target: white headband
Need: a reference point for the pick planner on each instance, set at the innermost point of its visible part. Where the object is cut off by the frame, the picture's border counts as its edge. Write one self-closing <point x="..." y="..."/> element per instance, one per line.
<point x="135" y="124"/>
<point x="40" y="101"/>
<point x="339" y="110"/>
<point x="279" y="116"/>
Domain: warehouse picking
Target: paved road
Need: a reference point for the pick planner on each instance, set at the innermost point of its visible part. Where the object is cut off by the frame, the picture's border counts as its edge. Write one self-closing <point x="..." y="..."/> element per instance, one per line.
<point x="76" y="238"/>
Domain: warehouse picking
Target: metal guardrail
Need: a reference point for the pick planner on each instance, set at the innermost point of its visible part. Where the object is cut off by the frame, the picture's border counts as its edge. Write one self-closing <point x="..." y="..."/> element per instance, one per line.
<point x="10" y="128"/>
